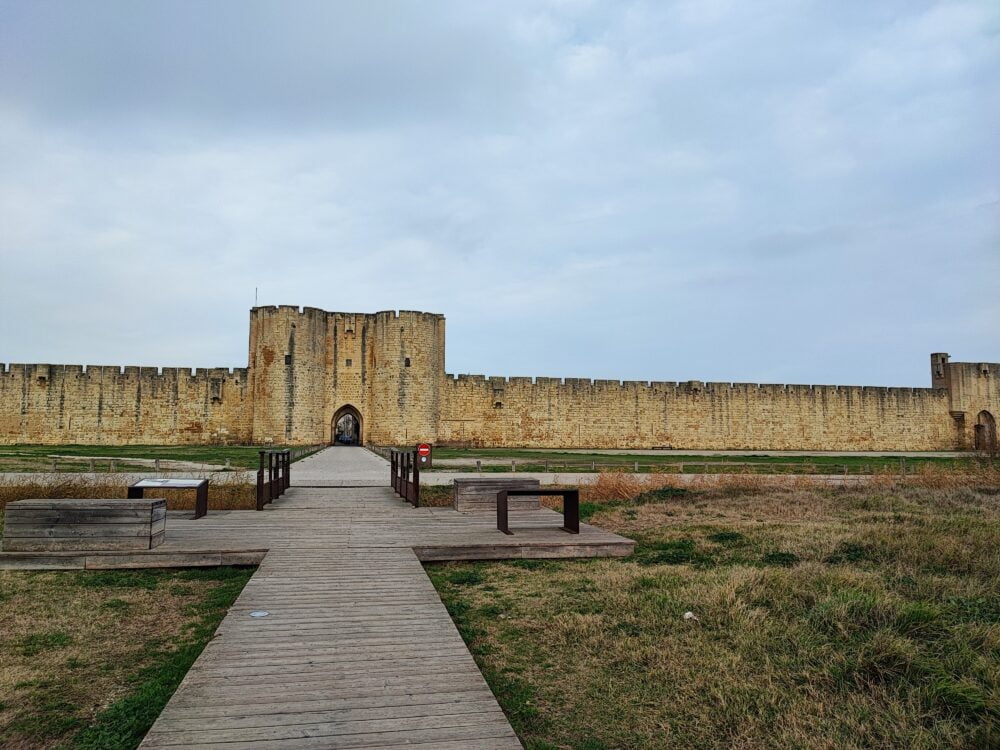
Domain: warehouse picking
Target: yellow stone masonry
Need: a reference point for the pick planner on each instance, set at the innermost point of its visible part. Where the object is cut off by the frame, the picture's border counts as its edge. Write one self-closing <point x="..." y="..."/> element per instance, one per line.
<point x="306" y="366"/>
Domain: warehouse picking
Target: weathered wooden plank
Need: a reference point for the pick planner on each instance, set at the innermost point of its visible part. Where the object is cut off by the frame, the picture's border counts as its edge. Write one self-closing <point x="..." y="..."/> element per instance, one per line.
<point x="88" y="503"/>
<point x="278" y="704"/>
<point x="88" y="515"/>
<point x="464" y="737"/>
<point x="75" y="544"/>
<point x="28" y="561"/>
<point x="16" y="527"/>
<point x="329" y="729"/>
<point x="299" y="715"/>
<point x="156" y="560"/>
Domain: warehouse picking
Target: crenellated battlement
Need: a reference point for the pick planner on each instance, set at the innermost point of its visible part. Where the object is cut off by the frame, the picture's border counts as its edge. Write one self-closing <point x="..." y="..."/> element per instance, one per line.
<point x="687" y="386"/>
<point x="315" y="312"/>
<point x="46" y="371"/>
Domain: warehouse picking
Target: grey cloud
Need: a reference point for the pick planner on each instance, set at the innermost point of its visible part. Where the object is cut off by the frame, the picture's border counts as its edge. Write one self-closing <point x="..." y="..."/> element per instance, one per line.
<point x="716" y="190"/>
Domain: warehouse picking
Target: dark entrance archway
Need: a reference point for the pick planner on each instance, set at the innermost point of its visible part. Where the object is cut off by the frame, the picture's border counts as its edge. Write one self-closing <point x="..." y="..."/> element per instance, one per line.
<point x="346" y="427"/>
<point x="986" y="433"/>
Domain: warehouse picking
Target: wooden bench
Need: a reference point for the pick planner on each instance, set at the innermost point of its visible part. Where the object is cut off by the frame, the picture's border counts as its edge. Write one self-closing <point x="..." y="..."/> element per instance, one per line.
<point x="480" y="495"/>
<point x="84" y="525"/>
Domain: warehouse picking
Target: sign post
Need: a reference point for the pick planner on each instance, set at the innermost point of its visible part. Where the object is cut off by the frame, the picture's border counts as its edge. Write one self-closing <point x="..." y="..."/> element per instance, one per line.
<point x="424" y="452"/>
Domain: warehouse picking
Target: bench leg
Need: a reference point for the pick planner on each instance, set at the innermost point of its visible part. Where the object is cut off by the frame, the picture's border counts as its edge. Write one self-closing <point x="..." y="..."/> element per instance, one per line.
<point x="571" y="512"/>
<point x="201" y="502"/>
<point x="503" y="520"/>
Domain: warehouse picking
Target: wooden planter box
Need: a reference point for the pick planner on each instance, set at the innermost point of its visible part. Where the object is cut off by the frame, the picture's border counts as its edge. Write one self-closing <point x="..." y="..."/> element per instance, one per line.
<point x="480" y="495"/>
<point x="84" y="525"/>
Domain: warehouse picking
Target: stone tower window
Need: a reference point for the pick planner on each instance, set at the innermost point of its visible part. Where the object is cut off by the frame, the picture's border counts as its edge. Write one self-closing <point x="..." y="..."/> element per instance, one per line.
<point x="348" y="362"/>
<point x="498" y="404"/>
<point x="406" y="362"/>
<point x="288" y="359"/>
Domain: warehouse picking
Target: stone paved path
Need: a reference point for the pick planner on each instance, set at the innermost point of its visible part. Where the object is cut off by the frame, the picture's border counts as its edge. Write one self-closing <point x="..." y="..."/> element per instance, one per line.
<point x="357" y="649"/>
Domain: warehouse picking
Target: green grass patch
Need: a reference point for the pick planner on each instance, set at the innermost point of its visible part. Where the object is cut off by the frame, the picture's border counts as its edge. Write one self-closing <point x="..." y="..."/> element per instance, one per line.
<point x="128" y="633"/>
<point x="36" y="643"/>
<point x="39" y="457"/>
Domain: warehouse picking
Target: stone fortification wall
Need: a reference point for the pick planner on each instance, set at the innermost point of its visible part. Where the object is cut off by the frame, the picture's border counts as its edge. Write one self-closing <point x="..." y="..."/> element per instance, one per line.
<point x="61" y="404"/>
<point x="307" y="366"/>
<point x="548" y="412"/>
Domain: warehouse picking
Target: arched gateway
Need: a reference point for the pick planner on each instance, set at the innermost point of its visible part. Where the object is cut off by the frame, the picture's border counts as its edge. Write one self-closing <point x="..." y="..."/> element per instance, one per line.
<point x="346" y="427"/>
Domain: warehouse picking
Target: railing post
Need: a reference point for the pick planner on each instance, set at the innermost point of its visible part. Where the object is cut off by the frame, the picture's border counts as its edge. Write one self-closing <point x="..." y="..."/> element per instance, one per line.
<point x="407" y="475"/>
<point x="416" y="481"/>
<point x="271" y="478"/>
<point x="260" y="482"/>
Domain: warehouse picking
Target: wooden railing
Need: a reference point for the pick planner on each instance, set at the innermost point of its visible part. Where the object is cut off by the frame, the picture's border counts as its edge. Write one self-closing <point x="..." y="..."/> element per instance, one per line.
<point x="273" y="476"/>
<point x="405" y="475"/>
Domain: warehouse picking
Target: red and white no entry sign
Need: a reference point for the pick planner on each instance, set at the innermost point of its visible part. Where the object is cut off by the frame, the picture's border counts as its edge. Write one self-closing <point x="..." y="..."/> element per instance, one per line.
<point x="423" y="449"/>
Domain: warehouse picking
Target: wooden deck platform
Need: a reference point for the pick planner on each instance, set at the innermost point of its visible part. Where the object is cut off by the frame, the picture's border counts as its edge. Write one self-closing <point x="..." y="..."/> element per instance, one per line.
<point x="357" y="649"/>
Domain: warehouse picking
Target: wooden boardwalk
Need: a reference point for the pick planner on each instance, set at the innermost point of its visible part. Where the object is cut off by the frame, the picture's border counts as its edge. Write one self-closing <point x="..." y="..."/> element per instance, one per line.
<point x="357" y="649"/>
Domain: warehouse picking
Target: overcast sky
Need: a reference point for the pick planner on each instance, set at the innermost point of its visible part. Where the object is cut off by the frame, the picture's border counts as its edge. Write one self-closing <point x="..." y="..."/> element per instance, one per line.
<point x="771" y="191"/>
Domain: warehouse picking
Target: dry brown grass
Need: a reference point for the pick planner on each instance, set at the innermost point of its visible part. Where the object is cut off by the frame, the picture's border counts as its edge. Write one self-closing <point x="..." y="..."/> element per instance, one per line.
<point x="829" y="618"/>
<point x="228" y="492"/>
<point x="624" y="485"/>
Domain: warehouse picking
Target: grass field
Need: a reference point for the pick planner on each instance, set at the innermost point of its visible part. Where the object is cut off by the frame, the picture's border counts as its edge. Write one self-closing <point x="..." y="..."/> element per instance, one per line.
<point x="90" y="658"/>
<point x="39" y="457"/>
<point x="819" y="619"/>
<point x="499" y="460"/>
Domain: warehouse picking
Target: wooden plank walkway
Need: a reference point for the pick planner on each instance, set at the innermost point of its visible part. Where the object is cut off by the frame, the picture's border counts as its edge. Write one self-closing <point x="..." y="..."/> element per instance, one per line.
<point x="357" y="649"/>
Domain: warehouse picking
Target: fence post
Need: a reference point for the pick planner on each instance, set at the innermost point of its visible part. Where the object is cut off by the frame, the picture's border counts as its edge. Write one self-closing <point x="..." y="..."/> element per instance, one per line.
<point x="260" y="481"/>
<point x="479" y="466"/>
<point x="416" y="481"/>
<point x="272" y="479"/>
<point x="513" y="466"/>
